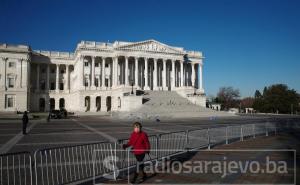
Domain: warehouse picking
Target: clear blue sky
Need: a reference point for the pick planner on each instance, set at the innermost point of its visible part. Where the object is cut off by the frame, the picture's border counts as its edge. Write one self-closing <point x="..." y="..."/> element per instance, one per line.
<point x="248" y="44"/>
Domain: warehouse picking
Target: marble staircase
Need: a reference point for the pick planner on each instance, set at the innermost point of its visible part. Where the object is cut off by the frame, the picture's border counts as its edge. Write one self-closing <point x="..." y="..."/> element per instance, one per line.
<point x="168" y="104"/>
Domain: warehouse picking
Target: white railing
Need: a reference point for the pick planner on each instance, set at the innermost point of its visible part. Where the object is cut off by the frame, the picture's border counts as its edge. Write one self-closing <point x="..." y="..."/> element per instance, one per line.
<point x="16" y="168"/>
<point x="81" y="163"/>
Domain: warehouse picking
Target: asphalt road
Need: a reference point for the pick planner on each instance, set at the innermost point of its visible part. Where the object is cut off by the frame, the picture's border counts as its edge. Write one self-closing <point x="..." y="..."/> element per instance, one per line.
<point x="88" y="129"/>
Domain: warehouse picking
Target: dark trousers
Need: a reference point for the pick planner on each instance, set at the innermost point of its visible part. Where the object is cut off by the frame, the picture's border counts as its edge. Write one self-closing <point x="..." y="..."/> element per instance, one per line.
<point x="140" y="163"/>
<point x="24" y="128"/>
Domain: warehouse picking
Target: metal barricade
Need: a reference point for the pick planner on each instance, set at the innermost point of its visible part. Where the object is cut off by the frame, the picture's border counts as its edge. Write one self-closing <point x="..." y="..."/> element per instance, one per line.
<point x="171" y="143"/>
<point x="271" y="128"/>
<point x="234" y="132"/>
<point x="217" y="135"/>
<point x="197" y="138"/>
<point x="15" y="168"/>
<point x="248" y="130"/>
<point x="260" y="129"/>
<point x="69" y="164"/>
<point x="63" y="165"/>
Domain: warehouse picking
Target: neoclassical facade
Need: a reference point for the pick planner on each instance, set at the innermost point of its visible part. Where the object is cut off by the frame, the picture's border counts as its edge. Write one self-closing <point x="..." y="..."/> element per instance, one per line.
<point x="97" y="76"/>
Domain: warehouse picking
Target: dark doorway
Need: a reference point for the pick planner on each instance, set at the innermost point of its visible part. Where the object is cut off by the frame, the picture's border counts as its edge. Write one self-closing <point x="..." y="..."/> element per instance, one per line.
<point x="98" y="103"/>
<point x="61" y="103"/>
<point x="87" y="103"/>
<point x="108" y="103"/>
<point x="42" y="105"/>
<point x="52" y="104"/>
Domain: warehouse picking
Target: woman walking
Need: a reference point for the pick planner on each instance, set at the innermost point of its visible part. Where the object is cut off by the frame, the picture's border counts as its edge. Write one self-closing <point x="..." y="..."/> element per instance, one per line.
<point x="140" y="146"/>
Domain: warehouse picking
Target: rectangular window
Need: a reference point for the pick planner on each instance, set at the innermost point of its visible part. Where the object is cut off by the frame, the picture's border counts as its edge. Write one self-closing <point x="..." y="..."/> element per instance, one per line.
<point x="52" y="71"/>
<point x="11" y="82"/>
<point x="62" y="71"/>
<point x="52" y="86"/>
<point x="106" y="82"/>
<point x="97" y="64"/>
<point x="96" y="82"/>
<point x="86" y="82"/>
<point x="10" y="101"/>
<point x="43" y="85"/>
<point x="11" y="64"/>
<point x="61" y="86"/>
<point x="86" y="64"/>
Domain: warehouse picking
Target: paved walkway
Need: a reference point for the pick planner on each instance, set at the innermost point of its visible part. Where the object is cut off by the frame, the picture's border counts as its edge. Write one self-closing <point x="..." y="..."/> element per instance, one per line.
<point x="13" y="141"/>
<point x="91" y="129"/>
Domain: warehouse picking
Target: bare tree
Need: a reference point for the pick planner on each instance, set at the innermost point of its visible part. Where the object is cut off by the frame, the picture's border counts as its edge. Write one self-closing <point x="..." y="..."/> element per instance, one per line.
<point x="228" y="97"/>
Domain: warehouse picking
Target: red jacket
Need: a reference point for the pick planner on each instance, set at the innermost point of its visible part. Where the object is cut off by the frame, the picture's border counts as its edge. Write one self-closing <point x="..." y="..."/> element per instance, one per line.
<point x="139" y="142"/>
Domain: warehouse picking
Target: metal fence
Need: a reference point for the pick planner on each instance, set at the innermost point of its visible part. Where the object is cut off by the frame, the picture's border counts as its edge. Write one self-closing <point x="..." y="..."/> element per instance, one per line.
<point x="197" y="138"/>
<point x="15" y="168"/>
<point x="70" y="164"/>
<point x="63" y="165"/>
<point x="171" y="143"/>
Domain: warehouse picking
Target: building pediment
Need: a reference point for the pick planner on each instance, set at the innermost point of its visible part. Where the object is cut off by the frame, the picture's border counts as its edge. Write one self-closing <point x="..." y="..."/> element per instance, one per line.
<point x="150" y="46"/>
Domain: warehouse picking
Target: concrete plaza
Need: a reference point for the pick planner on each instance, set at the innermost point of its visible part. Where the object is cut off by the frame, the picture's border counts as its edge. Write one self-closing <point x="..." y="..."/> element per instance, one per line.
<point x="90" y="129"/>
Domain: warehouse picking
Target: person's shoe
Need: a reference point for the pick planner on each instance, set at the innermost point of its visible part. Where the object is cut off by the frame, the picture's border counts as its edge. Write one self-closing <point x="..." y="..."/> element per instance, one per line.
<point x="143" y="178"/>
<point x="134" y="178"/>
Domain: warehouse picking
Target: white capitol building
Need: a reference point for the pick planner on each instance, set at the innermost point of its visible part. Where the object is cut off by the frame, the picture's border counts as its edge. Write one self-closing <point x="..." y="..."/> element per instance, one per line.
<point x="97" y="77"/>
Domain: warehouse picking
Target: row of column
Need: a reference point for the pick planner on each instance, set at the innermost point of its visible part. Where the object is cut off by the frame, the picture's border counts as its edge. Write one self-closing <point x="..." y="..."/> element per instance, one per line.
<point x="56" y="78"/>
<point x="114" y="70"/>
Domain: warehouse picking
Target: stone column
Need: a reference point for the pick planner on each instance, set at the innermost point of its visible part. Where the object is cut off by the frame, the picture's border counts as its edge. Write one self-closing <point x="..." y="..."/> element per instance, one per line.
<point x="109" y="84"/>
<point x="26" y="74"/>
<point x="57" y="103"/>
<point x="164" y="74"/>
<point x="103" y="104"/>
<point x="103" y="72"/>
<point x="193" y="74"/>
<point x="200" y="83"/>
<point x="37" y="77"/>
<point x="93" y="73"/>
<point x="48" y="77"/>
<point x="68" y="78"/>
<point x="57" y="78"/>
<point x="146" y="74"/>
<point x="81" y="72"/>
<point x="4" y="73"/>
<point x="159" y="73"/>
<point x="93" y="104"/>
<point x="126" y="71"/>
<point x="136" y="78"/>
<point x="181" y="73"/>
<point x="176" y="75"/>
<point x="173" y="75"/>
<point x="115" y="70"/>
<point x="20" y="72"/>
<point x="155" y="75"/>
